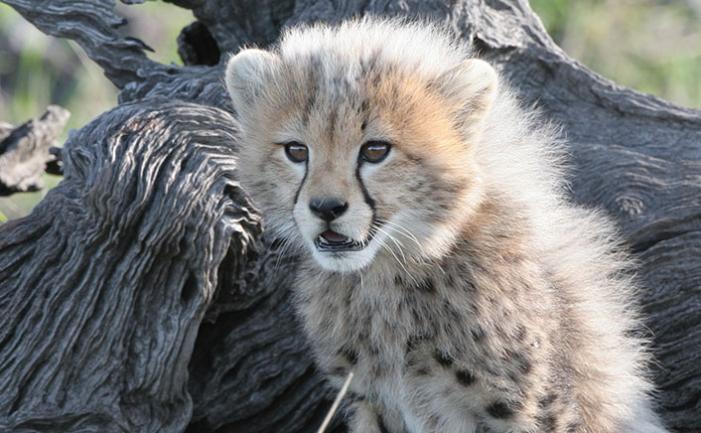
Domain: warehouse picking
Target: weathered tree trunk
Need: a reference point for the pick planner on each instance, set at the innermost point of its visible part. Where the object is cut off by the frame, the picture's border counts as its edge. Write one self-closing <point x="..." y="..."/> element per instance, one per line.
<point x="25" y="151"/>
<point x="141" y="295"/>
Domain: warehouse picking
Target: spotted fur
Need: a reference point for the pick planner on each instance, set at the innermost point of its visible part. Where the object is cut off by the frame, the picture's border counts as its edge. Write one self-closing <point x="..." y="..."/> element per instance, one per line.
<point x="483" y="296"/>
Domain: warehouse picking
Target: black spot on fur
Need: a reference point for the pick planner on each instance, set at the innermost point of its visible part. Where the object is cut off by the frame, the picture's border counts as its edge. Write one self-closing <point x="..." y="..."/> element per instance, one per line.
<point x="381" y="425"/>
<point x="477" y="333"/>
<point x="422" y="371"/>
<point x="398" y="280"/>
<point x="573" y="427"/>
<point x="464" y="377"/>
<point x="350" y="355"/>
<point x="355" y="397"/>
<point x="547" y="400"/>
<point x="547" y="423"/>
<point x="411" y="343"/>
<point x="500" y="410"/>
<point x="522" y="362"/>
<point x="338" y="372"/>
<point x="364" y="106"/>
<point x="426" y="286"/>
<point x="443" y="358"/>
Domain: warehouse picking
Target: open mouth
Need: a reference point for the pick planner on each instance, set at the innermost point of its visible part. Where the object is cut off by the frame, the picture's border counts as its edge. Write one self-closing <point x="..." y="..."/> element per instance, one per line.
<point x="330" y="241"/>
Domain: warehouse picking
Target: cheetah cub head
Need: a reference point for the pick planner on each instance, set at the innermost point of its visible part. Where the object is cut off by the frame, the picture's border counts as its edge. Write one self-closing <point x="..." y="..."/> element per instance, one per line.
<point x="357" y="140"/>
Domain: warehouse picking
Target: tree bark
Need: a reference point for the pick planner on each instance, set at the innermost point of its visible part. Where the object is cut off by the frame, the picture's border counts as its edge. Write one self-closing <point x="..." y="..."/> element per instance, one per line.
<point x="142" y="296"/>
<point x="25" y="151"/>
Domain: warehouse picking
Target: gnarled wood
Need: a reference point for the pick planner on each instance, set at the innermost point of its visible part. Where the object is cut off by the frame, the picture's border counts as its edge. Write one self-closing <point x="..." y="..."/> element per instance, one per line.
<point x="25" y="150"/>
<point x="103" y="287"/>
<point x="96" y="277"/>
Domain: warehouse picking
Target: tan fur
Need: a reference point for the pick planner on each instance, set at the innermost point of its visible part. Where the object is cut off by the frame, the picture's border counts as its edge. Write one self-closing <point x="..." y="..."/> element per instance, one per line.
<point x="482" y="295"/>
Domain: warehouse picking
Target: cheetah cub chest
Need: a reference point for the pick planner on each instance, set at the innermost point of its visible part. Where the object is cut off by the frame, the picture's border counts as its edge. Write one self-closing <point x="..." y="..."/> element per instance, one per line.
<point x="440" y="260"/>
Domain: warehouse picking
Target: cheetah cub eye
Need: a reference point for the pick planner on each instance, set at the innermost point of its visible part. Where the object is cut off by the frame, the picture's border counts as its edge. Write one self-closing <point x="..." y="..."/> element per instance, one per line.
<point x="296" y="151"/>
<point x="375" y="151"/>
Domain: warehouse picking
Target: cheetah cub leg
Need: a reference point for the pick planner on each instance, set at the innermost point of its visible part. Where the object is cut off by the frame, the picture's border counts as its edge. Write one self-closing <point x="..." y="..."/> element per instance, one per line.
<point x="365" y="419"/>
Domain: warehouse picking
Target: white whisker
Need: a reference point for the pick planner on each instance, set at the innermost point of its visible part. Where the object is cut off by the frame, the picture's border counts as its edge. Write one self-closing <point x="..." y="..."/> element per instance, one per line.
<point x="389" y="249"/>
<point x="402" y="231"/>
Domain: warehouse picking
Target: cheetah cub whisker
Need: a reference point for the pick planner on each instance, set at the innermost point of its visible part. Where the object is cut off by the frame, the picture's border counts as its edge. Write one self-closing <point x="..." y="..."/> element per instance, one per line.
<point x="441" y="259"/>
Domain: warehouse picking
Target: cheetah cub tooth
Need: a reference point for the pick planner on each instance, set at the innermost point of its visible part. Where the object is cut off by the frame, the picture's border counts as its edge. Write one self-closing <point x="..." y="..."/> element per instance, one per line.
<point x="441" y="261"/>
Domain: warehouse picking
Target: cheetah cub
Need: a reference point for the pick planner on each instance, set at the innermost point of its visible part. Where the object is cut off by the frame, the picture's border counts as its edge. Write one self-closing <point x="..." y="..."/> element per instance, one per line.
<point x="441" y="260"/>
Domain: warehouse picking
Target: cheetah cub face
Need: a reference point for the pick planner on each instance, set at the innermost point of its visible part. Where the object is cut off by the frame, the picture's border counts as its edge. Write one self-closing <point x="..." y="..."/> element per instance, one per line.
<point x="355" y="156"/>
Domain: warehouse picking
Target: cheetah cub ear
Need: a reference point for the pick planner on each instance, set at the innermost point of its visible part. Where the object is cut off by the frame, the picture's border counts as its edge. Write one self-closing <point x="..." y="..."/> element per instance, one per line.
<point x="472" y="86"/>
<point x="247" y="74"/>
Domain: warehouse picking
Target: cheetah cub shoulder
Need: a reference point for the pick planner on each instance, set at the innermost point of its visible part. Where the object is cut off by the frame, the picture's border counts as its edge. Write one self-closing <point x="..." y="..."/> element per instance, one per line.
<point x="441" y="259"/>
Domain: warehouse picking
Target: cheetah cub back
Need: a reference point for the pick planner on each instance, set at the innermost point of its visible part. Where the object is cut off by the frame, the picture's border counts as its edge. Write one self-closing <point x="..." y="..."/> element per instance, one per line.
<point x="441" y="259"/>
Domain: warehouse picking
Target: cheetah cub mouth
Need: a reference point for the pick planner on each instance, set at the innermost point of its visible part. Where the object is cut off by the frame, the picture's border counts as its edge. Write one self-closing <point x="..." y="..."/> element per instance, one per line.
<point x="330" y="241"/>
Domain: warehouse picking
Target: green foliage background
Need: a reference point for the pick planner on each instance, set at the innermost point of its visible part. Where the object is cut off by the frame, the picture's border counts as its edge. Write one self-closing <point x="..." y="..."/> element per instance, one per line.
<point x="653" y="46"/>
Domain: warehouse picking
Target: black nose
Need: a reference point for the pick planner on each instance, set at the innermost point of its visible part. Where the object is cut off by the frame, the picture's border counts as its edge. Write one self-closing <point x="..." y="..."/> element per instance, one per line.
<point x="328" y="209"/>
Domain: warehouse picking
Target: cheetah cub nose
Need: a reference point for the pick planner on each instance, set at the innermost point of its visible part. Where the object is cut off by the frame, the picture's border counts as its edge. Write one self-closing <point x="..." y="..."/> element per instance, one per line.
<point x="328" y="208"/>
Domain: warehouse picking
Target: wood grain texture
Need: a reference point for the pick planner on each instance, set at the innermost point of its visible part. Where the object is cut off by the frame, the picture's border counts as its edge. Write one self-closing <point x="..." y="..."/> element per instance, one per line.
<point x="149" y="242"/>
<point x="104" y="286"/>
<point x="25" y="150"/>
